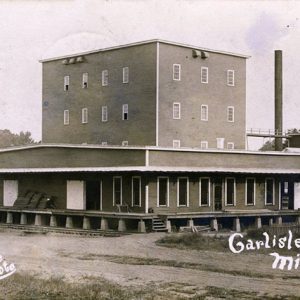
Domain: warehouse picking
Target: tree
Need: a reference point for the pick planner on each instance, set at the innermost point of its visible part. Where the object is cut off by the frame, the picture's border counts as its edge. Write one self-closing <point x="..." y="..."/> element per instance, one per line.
<point x="7" y="138"/>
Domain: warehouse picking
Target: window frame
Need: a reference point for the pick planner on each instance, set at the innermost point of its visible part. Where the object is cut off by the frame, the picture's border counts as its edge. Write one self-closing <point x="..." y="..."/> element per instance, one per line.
<point x="273" y="191"/>
<point x="104" y="113"/>
<point x="104" y="77"/>
<point x="209" y="192"/>
<point x="121" y="190"/>
<point x="83" y="112"/>
<point x="66" y="117"/>
<point x="203" y="69"/>
<point x="85" y="80"/>
<point x="178" y="142"/>
<point x="179" y="111"/>
<point x="125" y="74"/>
<point x="234" y="191"/>
<point x="179" y="72"/>
<point x="125" y="111"/>
<point x="228" y="114"/>
<point x="232" y="145"/>
<point x="66" y="83"/>
<point x="206" y="115"/>
<point x="254" y="191"/>
<point x="140" y="191"/>
<point x="187" y="192"/>
<point x="206" y="145"/>
<point x="168" y="192"/>
<point x="230" y="75"/>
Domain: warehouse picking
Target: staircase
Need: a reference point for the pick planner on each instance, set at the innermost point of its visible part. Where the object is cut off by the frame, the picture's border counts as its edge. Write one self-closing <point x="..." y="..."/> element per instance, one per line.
<point x="158" y="224"/>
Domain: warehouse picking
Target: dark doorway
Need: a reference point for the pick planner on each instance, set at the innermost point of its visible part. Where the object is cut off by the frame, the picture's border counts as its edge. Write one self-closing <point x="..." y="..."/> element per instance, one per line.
<point x="93" y="195"/>
<point x="287" y="194"/>
<point x="218" y="195"/>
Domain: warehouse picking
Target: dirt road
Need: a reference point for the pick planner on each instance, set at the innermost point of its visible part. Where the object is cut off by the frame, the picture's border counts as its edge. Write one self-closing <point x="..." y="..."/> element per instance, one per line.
<point x="127" y="260"/>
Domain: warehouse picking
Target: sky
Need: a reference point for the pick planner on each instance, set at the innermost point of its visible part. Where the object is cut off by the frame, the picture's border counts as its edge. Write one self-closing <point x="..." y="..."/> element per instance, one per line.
<point x="36" y="29"/>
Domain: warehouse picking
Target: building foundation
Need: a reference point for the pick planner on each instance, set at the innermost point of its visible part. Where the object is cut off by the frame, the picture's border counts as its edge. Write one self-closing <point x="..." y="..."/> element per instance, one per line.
<point x="258" y="224"/>
<point x="214" y="224"/>
<point x="122" y="225"/>
<point x="38" y="220"/>
<point x="86" y="223"/>
<point x="237" y="225"/>
<point x="104" y="224"/>
<point x="141" y="226"/>
<point x="53" y="221"/>
<point x="9" y="218"/>
<point x="23" y="220"/>
<point x="69" y="222"/>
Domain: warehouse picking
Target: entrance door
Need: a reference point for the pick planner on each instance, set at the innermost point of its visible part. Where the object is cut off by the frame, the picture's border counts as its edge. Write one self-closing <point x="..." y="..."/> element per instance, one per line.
<point x="296" y="195"/>
<point x="93" y="195"/>
<point x="218" y="195"/>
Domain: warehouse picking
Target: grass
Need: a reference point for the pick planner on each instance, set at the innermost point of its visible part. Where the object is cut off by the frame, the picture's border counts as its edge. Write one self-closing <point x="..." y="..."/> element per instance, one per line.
<point x="25" y="287"/>
<point x="194" y="241"/>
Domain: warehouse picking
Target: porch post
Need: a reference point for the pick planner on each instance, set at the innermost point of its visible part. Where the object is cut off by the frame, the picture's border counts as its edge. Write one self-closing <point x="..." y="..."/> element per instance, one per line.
<point x="168" y="225"/>
<point x="214" y="224"/>
<point x="258" y="223"/>
<point x="236" y="225"/>
<point x="141" y="226"/>
<point x="146" y="198"/>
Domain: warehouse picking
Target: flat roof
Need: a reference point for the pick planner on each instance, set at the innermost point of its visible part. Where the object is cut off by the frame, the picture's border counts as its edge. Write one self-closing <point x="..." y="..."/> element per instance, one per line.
<point x="150" y="148"/>
<point x="144" y="43"/>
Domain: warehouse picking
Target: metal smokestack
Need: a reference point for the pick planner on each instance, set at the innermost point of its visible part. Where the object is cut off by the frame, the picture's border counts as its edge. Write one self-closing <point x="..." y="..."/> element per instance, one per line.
<point x="278" y="99"/>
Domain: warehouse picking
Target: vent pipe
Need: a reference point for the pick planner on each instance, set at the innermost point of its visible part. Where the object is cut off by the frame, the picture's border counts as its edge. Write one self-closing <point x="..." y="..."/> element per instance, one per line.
<point x="278" y="99"/>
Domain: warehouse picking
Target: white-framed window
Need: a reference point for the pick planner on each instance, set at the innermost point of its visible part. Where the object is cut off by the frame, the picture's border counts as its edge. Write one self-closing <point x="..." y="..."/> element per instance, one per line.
<point x="220" y="143"/>
<point x="230" y="77"/>
<point x="269" y="191"/>
<point x="104" y="115"/>
<point x="125" y="75"/>
<point x="84" y="115"/>
<point x="66" y="83"/>
<point x="176" y="111"/>
<point x="230" y="113"/>
<point x="204" y="75"/>
<point x="104" y="77"/>
<point x="66" y="117"/>
<point x="176" y="143"/>
<point x="183" y="191"/>
<point x="136" y="191"/>
<point x="124" y="143"/>
<point x="204" y="112"/>
<point x="230" y="191"/>
<point x="176" y="72"/>
<point x="162" y="191"/>
<point x="204" y="191"/>
<point x="230" y="146"/>
<point x="104" y="143"/>
<point x="250" y="191"/>
<point x="125" y="112"/>
<point x="85" y="78"/>
<point x="117" y="190"/>
<point x="204" y="144"/>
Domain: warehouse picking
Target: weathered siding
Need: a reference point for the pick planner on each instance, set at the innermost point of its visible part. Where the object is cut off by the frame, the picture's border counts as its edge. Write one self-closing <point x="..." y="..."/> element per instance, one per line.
<point x="191" y="93"/>
<point x="139" y="94"/>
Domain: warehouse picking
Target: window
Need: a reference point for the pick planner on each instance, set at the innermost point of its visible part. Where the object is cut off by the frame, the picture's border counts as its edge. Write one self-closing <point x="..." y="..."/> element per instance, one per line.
<point x="204" y="112"/>
<point x="66" y="117"/>
<point x="176" y="143"/>
<point x="176" y="111"/>
<point x="162" y="191"/>
<point x="117" y="190"/>
<point x="84" y="115"/>
<point x="220" y="143"/>
<point x="204" y="144"/>
<point x="66" y="83"/>
<point x="269" y="191"/>
<point x="204" y="192"/>
<point x="104" y="113"/>
<point x="182" y="191"/>
<point x="85" y="80"/>
<point x="204" y="75"/>
<point x="136" y="191"/>
<point x="250" y="191"/>
<point x="104" y="143"/>
<point x="104" y="77"/>
<point x="125" y="112"/>
<point x="176" y="72"/>
<point x="229" y="191"/>
<point x="124" y="143"/>
<point x="125" y="75"/>
<point x="230" y="77"/>
<point x="230" y="114"/>
<point x="230" y="146"/>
